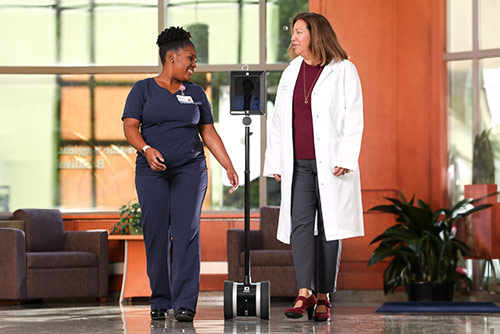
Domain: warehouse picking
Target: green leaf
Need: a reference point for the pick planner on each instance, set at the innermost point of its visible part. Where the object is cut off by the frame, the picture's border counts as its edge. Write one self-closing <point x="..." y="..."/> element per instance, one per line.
<point x="484" y="197"/>
<point x="417" y="219"/>
<point x="460" y="204"/>
<point x="461" y="246"/>
<point x="459" y="277"/>
<point x="396" y="201"/>
<point x="402" y="234"/>
<point x="386" y="208"/>
<point x="424" y="206"/>
<point x="404" y="199"/>
<point x="395" y="274"/>
<point x="475" y="209"/>
<point x="130" y="217"/>
<point x="436" y="215"/>
<point x="412" y="200"/>
<point x="434" y="237"/>
<point x="379" y="255"/>
<point x="389" y="243"/>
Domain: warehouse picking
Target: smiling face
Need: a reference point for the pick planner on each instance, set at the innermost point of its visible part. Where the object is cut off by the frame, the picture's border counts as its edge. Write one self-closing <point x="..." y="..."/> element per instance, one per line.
<point x="301" y="39"/>
<point x="184" y="63"/>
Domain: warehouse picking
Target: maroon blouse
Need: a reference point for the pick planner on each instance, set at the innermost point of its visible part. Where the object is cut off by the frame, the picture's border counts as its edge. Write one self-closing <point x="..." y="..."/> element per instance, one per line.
<point x="303" y="135"/>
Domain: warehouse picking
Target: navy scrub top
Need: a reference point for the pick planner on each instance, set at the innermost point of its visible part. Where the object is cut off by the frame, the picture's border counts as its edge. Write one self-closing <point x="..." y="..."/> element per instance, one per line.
<point x="166" y="124"/>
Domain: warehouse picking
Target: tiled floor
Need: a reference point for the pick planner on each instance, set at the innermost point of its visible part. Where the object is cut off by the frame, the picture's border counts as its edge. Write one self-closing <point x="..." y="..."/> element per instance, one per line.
<point x="353" y="313"/>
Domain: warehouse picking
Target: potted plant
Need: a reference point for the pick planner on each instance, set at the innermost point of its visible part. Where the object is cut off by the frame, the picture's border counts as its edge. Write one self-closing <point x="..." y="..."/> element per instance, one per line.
<point x="130" y="219"/>
<point x="423" y="249"/>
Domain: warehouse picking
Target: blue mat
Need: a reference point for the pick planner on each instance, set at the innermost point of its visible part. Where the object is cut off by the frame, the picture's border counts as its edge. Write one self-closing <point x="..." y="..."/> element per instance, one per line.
<point x="438" y="307"/>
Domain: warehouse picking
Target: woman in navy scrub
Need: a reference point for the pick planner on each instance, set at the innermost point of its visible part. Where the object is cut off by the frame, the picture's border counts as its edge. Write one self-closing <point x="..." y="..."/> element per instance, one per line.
<point x="163" y="119"/>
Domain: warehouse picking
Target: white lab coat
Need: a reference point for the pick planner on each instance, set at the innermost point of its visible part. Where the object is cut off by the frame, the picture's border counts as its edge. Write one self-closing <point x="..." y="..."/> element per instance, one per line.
<point x="337" y="114"/>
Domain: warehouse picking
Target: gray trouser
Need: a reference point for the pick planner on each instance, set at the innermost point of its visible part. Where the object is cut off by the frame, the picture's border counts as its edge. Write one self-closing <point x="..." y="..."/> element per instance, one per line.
<point x="305" y="205"/>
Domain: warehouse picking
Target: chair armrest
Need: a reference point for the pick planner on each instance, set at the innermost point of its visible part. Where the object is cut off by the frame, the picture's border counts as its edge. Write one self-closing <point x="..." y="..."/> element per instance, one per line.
<point x="85" y="241"/>
<point x="93" y="242"/>
<point x="12" y="264"/>
<point x="17" y="224"/>
<point x="236" y="245"/>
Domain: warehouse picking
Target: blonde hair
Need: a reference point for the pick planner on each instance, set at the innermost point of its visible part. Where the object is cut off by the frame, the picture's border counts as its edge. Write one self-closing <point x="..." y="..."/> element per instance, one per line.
<point x="324" y="44"/>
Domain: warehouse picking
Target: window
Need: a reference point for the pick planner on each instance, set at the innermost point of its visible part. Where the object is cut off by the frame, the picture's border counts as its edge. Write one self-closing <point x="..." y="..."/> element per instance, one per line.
<point x="96" y="164"/>
<point x="473" y="57"/>
<point x="70" y="66"/>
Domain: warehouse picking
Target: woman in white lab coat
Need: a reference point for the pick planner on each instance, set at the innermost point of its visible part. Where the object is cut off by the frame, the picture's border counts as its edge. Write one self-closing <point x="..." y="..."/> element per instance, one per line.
<point x="313" y="148"/>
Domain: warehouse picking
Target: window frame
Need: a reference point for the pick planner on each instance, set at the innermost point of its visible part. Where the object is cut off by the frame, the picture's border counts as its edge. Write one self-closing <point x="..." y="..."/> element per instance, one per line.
<point x="148" y="69"/>
<point x="476" y="55"/>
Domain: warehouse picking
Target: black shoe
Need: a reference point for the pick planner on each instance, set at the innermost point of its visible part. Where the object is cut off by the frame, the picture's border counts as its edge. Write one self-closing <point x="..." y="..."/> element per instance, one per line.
<point x="159" y="314"/>
<point x="185" y="315"/>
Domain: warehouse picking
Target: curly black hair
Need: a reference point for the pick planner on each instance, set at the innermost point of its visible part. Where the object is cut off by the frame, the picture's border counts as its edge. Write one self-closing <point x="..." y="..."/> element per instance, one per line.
<point x="172" y="38"/>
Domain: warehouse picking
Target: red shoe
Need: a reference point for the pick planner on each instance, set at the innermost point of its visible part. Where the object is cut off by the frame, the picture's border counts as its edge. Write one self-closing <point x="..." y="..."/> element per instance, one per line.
<point x="322" y="316"/>
<point x="307" y="305"/>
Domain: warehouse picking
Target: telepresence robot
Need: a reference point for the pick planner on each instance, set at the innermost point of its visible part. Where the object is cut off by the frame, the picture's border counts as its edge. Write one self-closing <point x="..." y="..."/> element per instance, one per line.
<point x="247" y="299"/>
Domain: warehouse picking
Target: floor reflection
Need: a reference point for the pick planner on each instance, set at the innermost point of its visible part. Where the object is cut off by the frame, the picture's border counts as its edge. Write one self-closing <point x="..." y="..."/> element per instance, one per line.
<point x="352" y="316"/>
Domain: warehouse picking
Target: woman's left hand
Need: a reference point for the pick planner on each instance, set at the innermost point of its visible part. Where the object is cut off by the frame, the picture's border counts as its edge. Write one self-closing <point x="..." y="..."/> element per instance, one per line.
<point x="215" y="145"/>
<point x="339" y="171"/>
<point x="233" y="179"/>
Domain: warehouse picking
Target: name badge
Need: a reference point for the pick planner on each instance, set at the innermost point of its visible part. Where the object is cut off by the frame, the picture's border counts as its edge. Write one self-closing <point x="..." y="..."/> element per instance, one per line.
<point x="185" y="99"/>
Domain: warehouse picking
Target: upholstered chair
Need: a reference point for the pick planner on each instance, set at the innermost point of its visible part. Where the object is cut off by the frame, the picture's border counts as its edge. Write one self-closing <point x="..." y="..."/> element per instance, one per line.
<point x="270" y="259"/>
<point x="39" y="260"/>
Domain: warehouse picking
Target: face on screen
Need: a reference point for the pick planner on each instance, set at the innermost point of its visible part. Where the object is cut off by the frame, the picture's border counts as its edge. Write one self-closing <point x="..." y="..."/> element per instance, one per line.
<point x="245" y="93"/>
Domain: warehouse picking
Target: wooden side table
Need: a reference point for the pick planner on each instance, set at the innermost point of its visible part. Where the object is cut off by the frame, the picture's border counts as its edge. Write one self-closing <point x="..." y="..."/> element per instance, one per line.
<point x="135" y="281"/>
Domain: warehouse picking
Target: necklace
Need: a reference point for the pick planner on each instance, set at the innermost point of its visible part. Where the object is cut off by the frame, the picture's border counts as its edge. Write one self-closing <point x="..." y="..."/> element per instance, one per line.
<point x="306" y="99"/>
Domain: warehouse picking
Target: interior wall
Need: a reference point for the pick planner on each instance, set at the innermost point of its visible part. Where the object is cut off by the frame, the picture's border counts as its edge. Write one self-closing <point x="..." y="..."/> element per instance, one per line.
<point x="397" y="47"/>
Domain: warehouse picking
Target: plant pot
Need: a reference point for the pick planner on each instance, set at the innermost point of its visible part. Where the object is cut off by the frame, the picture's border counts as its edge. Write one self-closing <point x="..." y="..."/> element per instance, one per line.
<point x="431" y="291"/>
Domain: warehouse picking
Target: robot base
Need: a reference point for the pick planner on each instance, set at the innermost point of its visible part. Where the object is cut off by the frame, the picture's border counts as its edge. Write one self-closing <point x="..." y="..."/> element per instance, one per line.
<point x="253" y="300"/>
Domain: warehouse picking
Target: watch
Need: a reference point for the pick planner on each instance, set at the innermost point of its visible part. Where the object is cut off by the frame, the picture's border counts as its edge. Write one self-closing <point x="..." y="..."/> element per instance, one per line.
<point x="143" y="150"/>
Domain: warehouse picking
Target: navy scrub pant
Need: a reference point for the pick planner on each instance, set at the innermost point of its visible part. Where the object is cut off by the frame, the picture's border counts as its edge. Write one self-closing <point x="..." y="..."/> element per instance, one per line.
<point x="171" y="207"/>
<point x="324" y="259"/>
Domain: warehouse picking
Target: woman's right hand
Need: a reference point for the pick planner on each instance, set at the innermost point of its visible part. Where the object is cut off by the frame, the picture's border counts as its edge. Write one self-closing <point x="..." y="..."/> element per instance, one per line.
<point x="134" y="137"/>
<point x="277" y="177"/>
<point x="154" y="157"/>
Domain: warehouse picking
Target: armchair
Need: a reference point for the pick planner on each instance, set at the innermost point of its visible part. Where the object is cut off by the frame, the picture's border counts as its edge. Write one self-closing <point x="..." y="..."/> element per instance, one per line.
<point x="270" y="259"/>
<point x="44" y="261"/>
